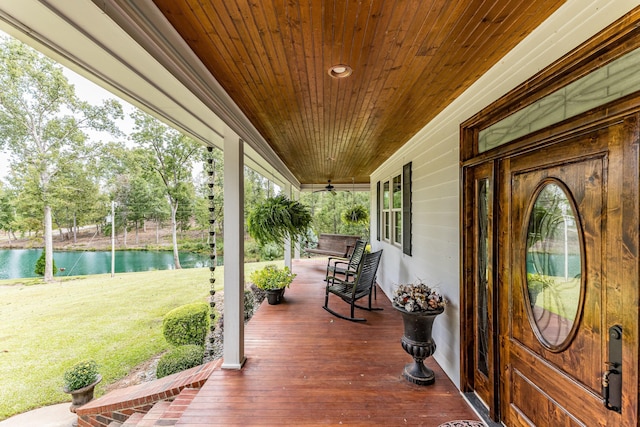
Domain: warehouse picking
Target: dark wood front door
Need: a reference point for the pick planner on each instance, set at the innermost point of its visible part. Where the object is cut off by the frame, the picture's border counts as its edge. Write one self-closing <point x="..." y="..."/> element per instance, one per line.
<point x="567" y="233"/>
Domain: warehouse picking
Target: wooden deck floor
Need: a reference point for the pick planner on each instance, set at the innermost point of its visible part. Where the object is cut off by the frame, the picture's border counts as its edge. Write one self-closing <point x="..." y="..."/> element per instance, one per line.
<point x="307" y="367"/>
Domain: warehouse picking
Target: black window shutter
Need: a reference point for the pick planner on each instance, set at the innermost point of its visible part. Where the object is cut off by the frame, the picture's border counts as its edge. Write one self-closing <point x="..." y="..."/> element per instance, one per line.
<point x="378" y="211"/>
<point x="406" y="209"/>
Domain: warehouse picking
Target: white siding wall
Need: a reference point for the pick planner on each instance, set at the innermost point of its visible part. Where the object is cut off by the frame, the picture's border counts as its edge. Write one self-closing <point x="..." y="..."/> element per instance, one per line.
<point x="434" y="152"/>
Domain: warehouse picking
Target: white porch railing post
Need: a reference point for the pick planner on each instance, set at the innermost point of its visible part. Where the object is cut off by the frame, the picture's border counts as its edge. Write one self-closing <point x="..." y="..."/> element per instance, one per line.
<point x="296" y="247"/>
<point x="233" y="354"/>
<point x="287" y="241"/>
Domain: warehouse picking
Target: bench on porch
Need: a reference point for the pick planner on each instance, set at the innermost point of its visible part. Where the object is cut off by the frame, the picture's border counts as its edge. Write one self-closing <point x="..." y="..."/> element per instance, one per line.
<point x="340" y="245"/>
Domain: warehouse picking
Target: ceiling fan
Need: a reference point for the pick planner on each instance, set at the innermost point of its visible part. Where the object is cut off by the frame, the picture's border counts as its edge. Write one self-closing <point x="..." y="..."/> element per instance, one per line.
<point x="328" y="188"/>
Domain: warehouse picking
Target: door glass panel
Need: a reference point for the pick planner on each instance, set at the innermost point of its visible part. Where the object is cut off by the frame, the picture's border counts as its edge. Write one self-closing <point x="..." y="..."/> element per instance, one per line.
<point x="554" y="266"/>
<point x="482" y="316"/>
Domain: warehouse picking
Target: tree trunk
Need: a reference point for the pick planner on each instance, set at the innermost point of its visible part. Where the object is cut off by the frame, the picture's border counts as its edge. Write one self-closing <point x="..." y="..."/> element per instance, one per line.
<point x="75" y="229"/>
<point x="48" y="245"/>
<point x="174" y="226"/>
<point x="157" y="232"/>
<point x="137" y="239"/>
<point x="124" y="231"/>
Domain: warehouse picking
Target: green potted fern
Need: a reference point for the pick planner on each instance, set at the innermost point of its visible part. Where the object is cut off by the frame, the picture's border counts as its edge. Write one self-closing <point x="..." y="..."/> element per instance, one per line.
<point x="278" y="218"/>
<point x="355" y="215"/>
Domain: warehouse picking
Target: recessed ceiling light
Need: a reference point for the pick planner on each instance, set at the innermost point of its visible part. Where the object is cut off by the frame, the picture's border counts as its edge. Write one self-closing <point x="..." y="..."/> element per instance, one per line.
<point x="339" y="71"/>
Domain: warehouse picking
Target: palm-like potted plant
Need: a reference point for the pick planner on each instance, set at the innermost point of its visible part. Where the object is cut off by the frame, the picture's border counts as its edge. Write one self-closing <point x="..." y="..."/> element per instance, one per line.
<point x="419" y="305"/>
<point x="273" y="281"/>
<point x="80" y="381"/>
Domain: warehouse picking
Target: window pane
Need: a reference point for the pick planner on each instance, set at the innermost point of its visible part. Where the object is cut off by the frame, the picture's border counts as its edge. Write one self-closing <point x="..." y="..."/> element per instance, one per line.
<point x="554" y="265"/>
<point x="387" y="226"/>
<point x="397" y="192"/>
<point x="397" y="227"/>
<point x="610" y="82"/>
<point x="482" y="280"/>
<point x="385" y="196"/>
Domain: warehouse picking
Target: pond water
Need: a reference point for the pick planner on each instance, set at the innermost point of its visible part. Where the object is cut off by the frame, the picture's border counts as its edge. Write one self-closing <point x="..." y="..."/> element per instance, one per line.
<point x="20" y="263"/>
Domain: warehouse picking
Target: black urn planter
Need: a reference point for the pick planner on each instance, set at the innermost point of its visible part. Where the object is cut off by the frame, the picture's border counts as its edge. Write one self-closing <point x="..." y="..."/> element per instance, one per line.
<point x="275" y="296"/>
<point x="418" y="343"/>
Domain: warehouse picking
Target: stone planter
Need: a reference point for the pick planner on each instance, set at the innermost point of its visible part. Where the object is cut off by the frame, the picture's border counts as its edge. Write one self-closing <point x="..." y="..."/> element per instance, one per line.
<point x="83" y="395"/>
<point x="418" y="343"/>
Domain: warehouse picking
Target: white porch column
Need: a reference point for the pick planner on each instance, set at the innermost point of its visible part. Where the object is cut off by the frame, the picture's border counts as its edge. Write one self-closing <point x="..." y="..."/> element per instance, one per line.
<point x="287" y="241"/>
<point x="296" y="246"/>
<point x="233" y="354"/>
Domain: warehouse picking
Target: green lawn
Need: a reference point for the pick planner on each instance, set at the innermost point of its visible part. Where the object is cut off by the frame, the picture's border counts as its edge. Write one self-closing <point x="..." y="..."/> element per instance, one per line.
<point x="47" y="328"/>
<point x="561" y="298"/>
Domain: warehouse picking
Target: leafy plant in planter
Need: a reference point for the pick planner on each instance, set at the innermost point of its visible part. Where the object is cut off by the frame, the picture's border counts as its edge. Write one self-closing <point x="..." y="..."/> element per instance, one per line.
<point x="80" y="381"/>
<point x="278" y="218"/>
<point x="273" y="281"/>
<point x="355" y="215"/>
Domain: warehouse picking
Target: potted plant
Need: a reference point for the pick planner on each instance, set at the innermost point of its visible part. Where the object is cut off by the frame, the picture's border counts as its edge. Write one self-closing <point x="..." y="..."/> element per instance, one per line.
<point x="419" y="305"/>
<point x="80" y="381"/>
<point x="355" y="215"/>
<point x="273" y="281"/>
<point x="537" y="283"/>
<point x="278" y="218"/>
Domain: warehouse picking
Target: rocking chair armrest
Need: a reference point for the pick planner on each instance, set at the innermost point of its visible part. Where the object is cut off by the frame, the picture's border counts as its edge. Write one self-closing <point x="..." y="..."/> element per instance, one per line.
<point x="335" y="264"/>
<point x="336" y="259"/>
<point x="345" y="280"/>
<point x="350" y="273"/>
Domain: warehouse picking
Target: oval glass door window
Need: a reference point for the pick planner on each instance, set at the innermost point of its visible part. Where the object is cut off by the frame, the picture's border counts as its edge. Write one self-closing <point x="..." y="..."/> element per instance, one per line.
<point x="554" y="266"/>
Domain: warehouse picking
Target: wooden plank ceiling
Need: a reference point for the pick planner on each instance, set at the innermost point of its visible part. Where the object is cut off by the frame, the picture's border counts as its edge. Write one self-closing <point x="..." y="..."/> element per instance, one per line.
<point x="410" y="59"/>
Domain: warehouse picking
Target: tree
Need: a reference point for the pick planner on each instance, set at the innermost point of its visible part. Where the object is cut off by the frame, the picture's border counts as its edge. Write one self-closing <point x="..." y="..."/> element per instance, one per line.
<point x="327" y="210"/>
<point x="41" y="125"/>
<point x="7" y="212"/>
<point x="75" y="197"/>
<point x="171" y="157"/>
<point x="142" y="194"/>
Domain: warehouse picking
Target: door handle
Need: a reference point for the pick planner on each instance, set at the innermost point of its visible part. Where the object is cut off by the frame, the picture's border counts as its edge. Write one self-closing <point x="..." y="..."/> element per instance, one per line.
<point x="612" y="376"/>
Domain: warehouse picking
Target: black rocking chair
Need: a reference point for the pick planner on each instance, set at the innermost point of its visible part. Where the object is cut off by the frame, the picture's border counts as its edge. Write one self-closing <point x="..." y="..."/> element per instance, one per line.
<point x="346" y="266"/>
<point x="360" y="286"/>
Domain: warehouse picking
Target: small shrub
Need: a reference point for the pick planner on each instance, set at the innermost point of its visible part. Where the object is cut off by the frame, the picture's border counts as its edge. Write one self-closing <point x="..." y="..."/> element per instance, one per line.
<point x="258" y="294"/>
<point x="81" y="375"/>
<point x="179" y="358"/>
<point x="271" y="251"/>
<point x="40" y="263"/>
<point x="249" y="303"/>
<point x="251" y="251"/>
<point x="187" y="324"/>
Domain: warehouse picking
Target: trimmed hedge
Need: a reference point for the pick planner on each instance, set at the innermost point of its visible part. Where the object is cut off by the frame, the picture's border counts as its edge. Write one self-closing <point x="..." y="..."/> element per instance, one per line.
<point x="179" y="358"/>
<point x="187" y="324"/>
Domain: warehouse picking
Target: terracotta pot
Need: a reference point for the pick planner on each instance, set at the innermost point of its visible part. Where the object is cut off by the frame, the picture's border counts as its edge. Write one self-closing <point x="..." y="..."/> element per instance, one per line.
<point x="83" y="395"/>
<point x="418" y="343"/>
